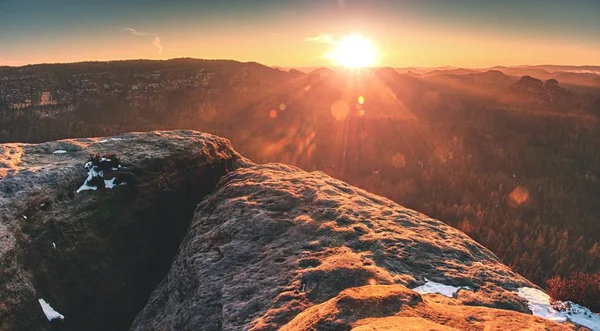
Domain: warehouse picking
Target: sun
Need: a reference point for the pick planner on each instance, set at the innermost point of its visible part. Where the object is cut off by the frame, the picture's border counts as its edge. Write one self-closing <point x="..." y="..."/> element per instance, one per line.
<point x="353" y="51"/>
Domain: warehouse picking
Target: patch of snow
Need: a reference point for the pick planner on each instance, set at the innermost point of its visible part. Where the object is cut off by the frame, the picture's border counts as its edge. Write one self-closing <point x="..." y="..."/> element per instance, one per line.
<point x="60" y="151"/>
<point x="51" y="314"/>
<point x="109" y="183"/>
<point x="443" y="289"/>
<point x="25" y="217"/>
<point x="54" y="245"/>
<point x="539" y="303"/>
<point x="558" y="311"/>
<point x="91" y="174"/>
<point x="103" y="141"/>
<point x="116" y="139"/>
<point x="123" y="183"/>
<point x="94" y="172"/>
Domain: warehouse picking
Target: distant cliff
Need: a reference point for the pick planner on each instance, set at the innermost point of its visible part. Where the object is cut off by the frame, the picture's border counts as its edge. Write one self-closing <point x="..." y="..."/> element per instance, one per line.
<point x="87" y="241"/>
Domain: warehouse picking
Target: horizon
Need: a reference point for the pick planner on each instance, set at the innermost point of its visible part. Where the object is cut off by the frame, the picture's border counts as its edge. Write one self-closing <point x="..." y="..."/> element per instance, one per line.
<point x="298" y="34"/>
<point x="312" y="67"/>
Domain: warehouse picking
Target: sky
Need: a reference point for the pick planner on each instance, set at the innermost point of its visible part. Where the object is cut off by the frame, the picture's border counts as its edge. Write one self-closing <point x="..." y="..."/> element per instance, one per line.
<point x="297" y="33"/>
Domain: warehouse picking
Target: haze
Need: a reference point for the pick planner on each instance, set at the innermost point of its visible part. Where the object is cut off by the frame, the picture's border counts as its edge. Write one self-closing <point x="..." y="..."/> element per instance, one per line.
<point x="300" y="33"/>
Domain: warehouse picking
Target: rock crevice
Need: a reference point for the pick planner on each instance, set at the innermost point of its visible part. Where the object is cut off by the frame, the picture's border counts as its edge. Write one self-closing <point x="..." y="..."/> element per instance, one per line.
<point x="96" y="255"/>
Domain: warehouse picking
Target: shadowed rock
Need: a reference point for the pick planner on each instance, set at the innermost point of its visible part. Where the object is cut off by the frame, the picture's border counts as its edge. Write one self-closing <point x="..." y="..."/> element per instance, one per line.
<point x="96" y="255"/>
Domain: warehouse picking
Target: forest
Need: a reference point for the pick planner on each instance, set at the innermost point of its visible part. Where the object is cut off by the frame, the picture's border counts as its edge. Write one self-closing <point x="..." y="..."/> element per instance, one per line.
<point x="511" y="161"/>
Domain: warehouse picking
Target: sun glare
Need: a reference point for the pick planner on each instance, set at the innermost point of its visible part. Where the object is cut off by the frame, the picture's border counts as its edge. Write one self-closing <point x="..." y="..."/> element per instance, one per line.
<point x="353" y="51"/>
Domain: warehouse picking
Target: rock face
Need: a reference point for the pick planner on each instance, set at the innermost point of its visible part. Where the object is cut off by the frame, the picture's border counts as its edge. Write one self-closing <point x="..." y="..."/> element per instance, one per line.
<point x="275" y="247"/>
<point x="96" y="255"/>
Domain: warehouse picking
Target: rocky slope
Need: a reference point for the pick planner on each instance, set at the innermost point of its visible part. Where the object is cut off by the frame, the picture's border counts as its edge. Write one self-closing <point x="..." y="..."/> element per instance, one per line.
<point x="269" y="247"/>
<point x="275" y="247"/>
<point x="95" y="255"/>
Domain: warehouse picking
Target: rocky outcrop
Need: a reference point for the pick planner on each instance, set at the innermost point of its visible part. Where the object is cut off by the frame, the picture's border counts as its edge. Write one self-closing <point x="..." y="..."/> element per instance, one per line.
<point x="86" y="240"/>
<point x="95" y="255"/>
<point x="275" y="247"/>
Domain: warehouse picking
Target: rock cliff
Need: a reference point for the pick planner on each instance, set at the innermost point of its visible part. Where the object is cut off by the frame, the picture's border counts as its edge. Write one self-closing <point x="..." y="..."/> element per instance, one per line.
<point x="95" y="255"/>
<point x="275" y="247"/>
<point x="180" y="230"/>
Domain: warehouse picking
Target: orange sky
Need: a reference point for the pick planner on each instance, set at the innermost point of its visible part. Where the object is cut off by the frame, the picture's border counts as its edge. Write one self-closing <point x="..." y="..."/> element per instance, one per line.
<point x="459" y="33"/>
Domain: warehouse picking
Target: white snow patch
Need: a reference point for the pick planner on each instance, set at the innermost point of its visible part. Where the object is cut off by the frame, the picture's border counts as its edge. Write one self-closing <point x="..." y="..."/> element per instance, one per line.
<point x="109" y="183"/>
<point x="116" y="139"/>
<point x="558" y="311"/>
<point x="103" y="141"/>
<point x="443" y="289"/>
<point x="539" y="303"/>
<point x="94" y="172"/>
<point x="25" y="217"/>
<point x="51" y="314"/>
<point x="60" y="151"/>
<point x="54" y="245"/>
<point x="91" y="174"/>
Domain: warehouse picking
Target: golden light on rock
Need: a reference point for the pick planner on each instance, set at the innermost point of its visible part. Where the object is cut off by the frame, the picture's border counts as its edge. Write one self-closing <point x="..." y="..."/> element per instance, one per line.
<point x="361" y="112"/>
<point x="361" y="100"/>
<point x="372" y="281"/>
<point x="339" y="110"/>
<point x="273" y="113"/>
<point x="518" y="196"/>
<point x="398" y="160"/>
<point x="282" y="106"/>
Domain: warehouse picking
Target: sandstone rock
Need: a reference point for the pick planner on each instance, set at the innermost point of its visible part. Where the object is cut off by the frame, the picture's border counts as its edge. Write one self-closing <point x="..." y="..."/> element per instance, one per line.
<point x="95" y="256"/>
<point x="275" y="247"/>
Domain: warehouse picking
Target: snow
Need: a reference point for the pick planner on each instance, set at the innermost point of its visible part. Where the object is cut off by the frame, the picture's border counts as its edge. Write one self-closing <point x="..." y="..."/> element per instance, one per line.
<point x="106" y="140"/>
<point x="539" y="303"/>
<point x="25" y="217"/>
<point x="60" y="151"/>
<point x="91" y="174"/>
<point x="54" y="245"/>
<point x="109" y="183"/>
<point x="559" y="311"/>
<point x="51" y="314"/>
<point x="94" y="172"/>
<point x="433" y="287"/>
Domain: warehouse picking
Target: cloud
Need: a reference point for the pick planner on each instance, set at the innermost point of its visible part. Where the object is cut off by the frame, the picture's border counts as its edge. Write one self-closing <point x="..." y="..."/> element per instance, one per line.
<point x="156" y="43"/>
<point x="322" y="38"/>
<point x="136" y="32"/>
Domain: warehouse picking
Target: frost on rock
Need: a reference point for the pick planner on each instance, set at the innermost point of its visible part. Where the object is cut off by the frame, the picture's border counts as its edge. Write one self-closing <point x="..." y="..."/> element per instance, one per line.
<point x="443" y="289"/>
<point x="60" y="151"/>
<point x="51" y="314"/>
<point x="558" y="311"/>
